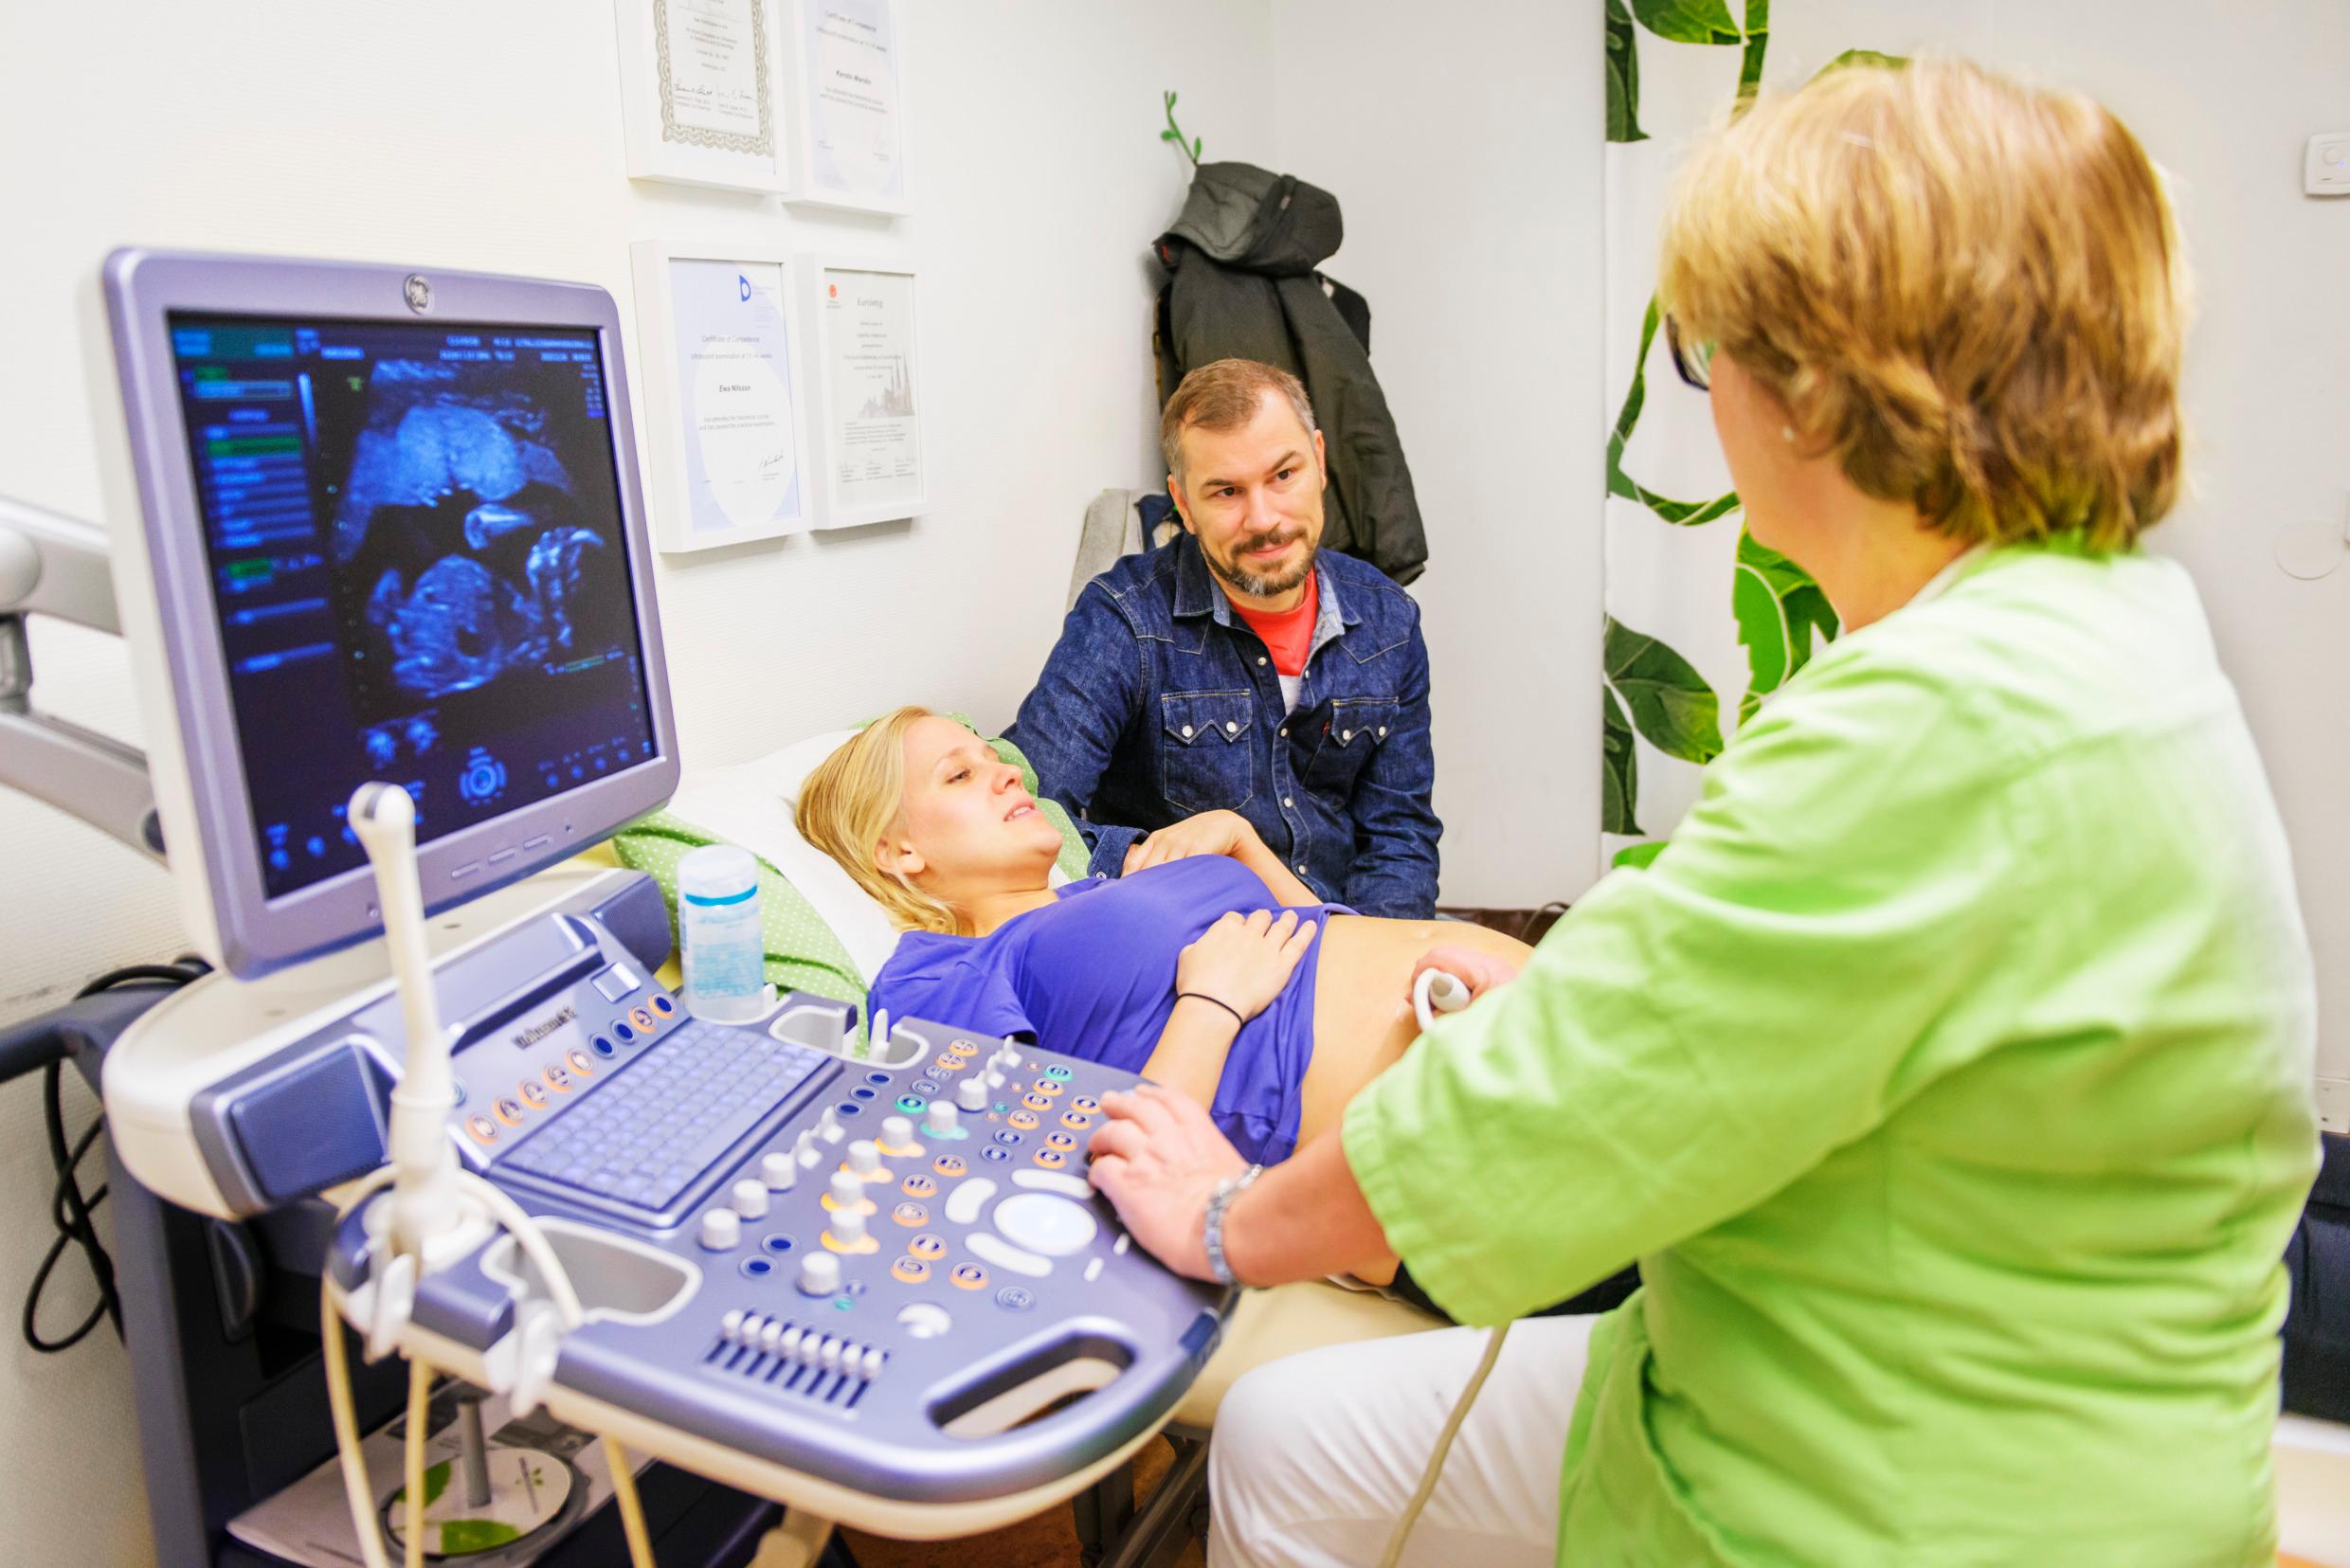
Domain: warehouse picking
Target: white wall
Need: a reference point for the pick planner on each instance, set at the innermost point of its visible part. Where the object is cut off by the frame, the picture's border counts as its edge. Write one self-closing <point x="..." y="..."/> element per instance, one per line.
<point x="1467" y="160"/>
<point x="2224" y="98"/>
<point x="450" y="133"/>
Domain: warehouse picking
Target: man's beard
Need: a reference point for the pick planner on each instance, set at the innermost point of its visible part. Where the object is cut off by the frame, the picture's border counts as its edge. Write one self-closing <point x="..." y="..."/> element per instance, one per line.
<point x="1263" y="588"/>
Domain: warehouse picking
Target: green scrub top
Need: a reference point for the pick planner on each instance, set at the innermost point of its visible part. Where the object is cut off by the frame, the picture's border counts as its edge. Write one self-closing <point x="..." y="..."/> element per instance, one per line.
<point x="1949" y="1074"/>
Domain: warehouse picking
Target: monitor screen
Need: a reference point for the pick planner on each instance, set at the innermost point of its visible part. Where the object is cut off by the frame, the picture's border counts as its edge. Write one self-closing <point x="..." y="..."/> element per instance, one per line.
<point x="416" y="558"/>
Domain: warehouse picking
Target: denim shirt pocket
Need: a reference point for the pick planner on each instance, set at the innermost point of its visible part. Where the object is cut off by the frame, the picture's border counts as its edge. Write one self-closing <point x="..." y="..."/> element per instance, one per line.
<point x="1355" y="728"/>
<point x="1207" y="755"/>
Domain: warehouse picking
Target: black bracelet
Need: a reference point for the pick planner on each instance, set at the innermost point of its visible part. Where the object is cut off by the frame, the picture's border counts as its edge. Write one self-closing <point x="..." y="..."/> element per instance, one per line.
<point x="1202" y="996"/>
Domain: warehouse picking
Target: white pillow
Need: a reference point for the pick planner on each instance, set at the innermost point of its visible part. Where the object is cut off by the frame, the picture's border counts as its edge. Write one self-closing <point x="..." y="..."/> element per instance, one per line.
<point x="751" y="804"/>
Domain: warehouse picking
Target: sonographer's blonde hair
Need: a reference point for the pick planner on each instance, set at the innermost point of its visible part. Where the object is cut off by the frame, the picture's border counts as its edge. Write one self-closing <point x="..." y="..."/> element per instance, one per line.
<point x="851" y="800"/>
<point x="1968" y="290"/>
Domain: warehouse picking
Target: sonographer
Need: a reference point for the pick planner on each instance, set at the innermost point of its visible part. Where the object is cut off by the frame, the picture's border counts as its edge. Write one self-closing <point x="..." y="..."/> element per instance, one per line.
<point x="1948" y="1072"/>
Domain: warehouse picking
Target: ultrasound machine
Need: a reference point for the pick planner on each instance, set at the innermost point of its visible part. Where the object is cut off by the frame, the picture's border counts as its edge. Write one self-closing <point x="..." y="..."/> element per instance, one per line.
<point x="387" y="532"/>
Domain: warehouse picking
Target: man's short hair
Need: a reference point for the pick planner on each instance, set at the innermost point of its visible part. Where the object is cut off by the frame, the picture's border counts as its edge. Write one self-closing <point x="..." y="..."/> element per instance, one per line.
<point x="1224" y="395"/>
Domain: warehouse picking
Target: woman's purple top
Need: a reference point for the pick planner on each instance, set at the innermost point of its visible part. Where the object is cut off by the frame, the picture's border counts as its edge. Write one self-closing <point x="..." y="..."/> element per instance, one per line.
<point x="1092" y="975"/>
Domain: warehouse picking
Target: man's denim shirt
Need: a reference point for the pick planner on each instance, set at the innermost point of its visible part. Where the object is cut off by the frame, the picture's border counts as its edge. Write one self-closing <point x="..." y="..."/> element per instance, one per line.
<point x="1159" y="701"/>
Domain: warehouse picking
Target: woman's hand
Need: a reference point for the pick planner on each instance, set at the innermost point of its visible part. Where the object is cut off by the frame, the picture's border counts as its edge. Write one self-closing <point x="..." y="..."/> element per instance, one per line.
<point x="1210" y="833"/>
<point x="1157" y="1158"/>
<point x="1243" y="961"/>
<point x="1480" y="971"/>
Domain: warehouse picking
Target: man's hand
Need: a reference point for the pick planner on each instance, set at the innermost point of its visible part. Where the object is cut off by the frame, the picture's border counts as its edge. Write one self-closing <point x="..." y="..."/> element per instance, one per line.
<point x="1244" y="961"/>
<point x="1480" y="971"/>
<point x="1158" y="1158"/>
<point x="1210" y="833"/>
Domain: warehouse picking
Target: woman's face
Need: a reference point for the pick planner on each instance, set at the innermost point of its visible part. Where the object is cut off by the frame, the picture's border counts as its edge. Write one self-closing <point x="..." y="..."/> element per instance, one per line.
<point x="967" y="821"/>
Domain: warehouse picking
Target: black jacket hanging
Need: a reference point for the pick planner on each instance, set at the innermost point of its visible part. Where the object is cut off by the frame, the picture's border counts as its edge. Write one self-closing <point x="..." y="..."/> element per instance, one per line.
<point x="1242" y="284"/>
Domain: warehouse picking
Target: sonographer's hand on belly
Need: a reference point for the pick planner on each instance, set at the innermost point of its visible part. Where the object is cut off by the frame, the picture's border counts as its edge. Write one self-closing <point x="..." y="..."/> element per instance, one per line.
<point x="1210" y="833"/>
<point x="1243" y="961"/>
<point x="1157" y="1159"/>
<point x="1480" y="971"/>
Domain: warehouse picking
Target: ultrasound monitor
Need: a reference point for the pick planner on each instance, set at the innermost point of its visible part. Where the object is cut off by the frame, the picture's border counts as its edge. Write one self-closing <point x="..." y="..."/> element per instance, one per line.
<point x="392" y="530"/>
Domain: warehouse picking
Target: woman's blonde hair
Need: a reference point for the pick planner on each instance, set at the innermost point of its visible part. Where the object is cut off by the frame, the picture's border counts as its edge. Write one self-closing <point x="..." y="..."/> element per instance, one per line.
<point x="851" y="800"/>
<point x="1969" y="290"/>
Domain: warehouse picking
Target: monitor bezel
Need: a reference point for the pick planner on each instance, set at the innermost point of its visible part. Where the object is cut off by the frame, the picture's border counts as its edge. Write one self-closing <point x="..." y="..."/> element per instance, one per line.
<point x="198" y="765"/>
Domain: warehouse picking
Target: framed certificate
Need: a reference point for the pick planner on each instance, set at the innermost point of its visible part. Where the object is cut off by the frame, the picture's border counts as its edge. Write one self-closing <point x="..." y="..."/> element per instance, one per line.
<point x="846" y="69"/>
<point x="866" y="340"/>
<point x="699" y="94"/>
<point x="727" y="419"/>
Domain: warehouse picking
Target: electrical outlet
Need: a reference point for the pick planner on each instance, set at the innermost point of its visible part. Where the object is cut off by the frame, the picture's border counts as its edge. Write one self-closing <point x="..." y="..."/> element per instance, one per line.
<point x="2326" y="168"/>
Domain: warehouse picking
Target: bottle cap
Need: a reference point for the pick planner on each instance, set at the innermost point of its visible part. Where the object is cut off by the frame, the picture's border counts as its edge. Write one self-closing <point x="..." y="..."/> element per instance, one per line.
<point x="717" y="873"/>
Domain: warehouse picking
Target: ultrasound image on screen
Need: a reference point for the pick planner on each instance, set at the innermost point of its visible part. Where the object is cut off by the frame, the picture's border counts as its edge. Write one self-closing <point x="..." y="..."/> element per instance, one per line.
<point x="468" y="532"/>
<point x="416" y="542"/>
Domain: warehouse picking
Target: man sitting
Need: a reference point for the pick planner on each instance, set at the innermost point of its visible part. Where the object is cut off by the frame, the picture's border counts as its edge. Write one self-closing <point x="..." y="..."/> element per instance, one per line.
<point x="1238" y="670"/>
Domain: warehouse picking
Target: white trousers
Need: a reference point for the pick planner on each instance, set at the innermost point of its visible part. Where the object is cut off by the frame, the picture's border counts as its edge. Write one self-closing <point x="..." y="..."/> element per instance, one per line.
<point x="1316" y="1455"/>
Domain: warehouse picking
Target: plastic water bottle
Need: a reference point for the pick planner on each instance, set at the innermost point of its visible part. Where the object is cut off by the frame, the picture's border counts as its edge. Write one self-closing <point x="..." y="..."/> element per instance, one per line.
<point x="724" y="938"/>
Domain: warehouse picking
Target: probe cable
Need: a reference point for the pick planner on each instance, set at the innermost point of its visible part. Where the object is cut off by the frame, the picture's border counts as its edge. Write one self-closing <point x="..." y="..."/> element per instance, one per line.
<point x="357" y="1489"/>
<point x="1444" y="1445"/>
<point x="1426" y="1003"/>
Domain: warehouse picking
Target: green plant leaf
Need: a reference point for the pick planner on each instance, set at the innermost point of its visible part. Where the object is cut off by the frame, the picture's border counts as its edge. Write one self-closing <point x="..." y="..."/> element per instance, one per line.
<point x="1679" y="513"/>
<point x="1671" y="706"/>
<point x="1170" y="98"/>
<point x="1862" y="57"/>
<point x="1624" y="76"/>
<point x="1640" y="855"/>
<point x="1688" y="21"/>
<point x="1780" y="612"/>
<point x="1619" y="769"/>
<point x="1195" y="148"/>
<point x="1758" y="43"/>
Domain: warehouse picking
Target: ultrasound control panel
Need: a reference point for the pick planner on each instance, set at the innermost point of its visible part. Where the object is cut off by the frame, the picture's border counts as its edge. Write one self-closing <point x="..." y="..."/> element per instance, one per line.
<point x="889" y="1271"/>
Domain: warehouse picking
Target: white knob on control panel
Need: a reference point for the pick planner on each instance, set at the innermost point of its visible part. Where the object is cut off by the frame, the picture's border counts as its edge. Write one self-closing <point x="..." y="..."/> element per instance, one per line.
<point x="804" y="1150"/>
<point x="995" y="1079"/>
<point x="897" y="1132"/>
<point x="848" y="1190"/>
<point x="732" y="1323"/>
<point x="721" y="1230"/>
<point x="788" y="1345"/>
<point x="972" y="1094"/>
<point x="875" y="1357"/>
<point x="772" y="1335"/>
<point x="828" y="1126"/>
<point x="864" y="1157"/>
<point x="778" y="1171"/>
<point x="941" y="1120"/>
<point x="1009" y="1056"/>
<point x="847" y="1227"/>
<point x="749" y="1197"/>
<point x="820" y="1275"/>
<point x="829" y="1355"/>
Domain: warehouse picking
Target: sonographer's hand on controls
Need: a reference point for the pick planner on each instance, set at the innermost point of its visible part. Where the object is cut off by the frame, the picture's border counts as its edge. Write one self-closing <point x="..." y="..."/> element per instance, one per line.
<point x="1480" y="971"/>
<point x="1157" y="1158"/>
<point x="1208" y="833"/>
<point x="1244" y="960"/>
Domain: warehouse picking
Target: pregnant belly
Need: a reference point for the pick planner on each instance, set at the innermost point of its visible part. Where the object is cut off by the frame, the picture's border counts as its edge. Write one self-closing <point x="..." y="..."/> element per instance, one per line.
<point x="1362" y="1017"/>
<point x="1362" y="1007"/>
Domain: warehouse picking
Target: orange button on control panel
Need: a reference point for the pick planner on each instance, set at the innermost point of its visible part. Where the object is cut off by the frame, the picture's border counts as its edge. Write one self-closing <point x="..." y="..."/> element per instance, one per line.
<point x="483" y="1130"/>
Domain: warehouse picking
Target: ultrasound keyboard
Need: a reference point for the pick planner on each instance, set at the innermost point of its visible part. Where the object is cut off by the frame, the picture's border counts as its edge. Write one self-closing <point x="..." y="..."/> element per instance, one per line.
<point x="637" y="1143"/>
<point x="887" y="1273"/>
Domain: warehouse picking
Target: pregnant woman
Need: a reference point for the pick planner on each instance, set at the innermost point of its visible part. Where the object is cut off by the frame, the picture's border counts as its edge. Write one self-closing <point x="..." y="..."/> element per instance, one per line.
<point x="1207" y="966"/>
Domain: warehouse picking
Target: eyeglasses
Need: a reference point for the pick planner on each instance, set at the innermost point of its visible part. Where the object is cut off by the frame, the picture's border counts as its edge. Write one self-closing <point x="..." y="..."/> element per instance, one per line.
<point x="1693" y="361"/>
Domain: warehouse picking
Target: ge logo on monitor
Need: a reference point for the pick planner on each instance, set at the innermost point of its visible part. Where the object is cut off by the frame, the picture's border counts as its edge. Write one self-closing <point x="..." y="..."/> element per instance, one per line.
<point x="417" y="289"/>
